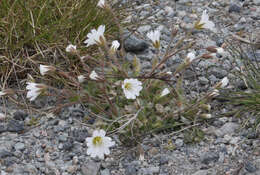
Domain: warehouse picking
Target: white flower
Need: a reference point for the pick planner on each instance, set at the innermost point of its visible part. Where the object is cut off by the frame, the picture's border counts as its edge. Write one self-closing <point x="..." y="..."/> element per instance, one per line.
<point x="166" y="91"/>
<point x="98" y="144"/>
<point x="81" y="78"/>
<point x="132" y="88"/>
<point x="71" y="48"/>
<point x="115" y="46"/>
<point x="101" y="3"/>
<point x="95" y="36"/>
<point x="155" y="37"/>
<point x="93" y="75"/>
<point x="190" y="57"/>
<point x="205" y="23"/>
<point x="34" y="90"/>
<point x="224" y="82"/>
<point x="45" y="69"/>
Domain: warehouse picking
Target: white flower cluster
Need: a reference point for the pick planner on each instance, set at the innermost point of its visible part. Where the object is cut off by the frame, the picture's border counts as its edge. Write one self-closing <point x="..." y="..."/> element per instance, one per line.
<point x="99" y="144"/>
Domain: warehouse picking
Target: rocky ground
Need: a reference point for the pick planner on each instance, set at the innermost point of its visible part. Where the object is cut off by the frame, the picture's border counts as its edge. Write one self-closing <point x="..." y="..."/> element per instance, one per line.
<point x="56" y="144"/>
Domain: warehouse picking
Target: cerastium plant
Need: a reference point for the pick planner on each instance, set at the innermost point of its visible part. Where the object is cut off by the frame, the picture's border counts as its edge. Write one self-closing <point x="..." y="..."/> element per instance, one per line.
<point x="130" y="100"/>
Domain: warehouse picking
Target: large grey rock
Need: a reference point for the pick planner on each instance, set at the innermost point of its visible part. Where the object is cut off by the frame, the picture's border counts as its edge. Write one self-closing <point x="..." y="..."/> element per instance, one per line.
<point x="134" y="44"/>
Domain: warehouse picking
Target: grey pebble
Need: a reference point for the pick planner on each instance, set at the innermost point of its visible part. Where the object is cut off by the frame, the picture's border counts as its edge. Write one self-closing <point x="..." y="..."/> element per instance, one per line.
<point x="203" y="80"/>
<point x="15" y="126"/>
<point x="149" y="170"/>
<point x="90" y="168"/>
<point x="130" y="170"/>
<point x="105" y="172"/>
<point x="20" y="115"/>
<point x="227" y="128"/>
<point x="234" y="8"/>
<point x="208" y="157"/>
<point x="218" y="72"/>
<point x="250" y="167"/>
<point x="19" y="146"/>
<point x="4" y="153"/>
<point x="134" y="44"/>
<point x="201" y="172"/>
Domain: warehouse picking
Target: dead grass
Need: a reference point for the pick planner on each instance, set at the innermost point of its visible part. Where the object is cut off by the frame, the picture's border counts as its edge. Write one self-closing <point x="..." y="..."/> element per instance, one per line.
<point x="37" y="31"/>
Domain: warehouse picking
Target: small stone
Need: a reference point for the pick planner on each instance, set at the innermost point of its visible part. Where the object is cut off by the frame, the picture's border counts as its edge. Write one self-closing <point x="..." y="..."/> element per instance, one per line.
<point x="149" y="170"/>
<point x="234" y="140"/>
<point x="67" y="146"/>
<point x="144" y="28"/>
<point x="90" y="168"/>
<point x="15" y="126"/>
<point x="250" y="167"/>
<point x="164" y="159"/>
<point x="19" y="146"/>
<point x="4" y="154"/>
<point x="218" y="72"/>
<point x="63" y="137"/>
<point x="2" y="128"/>
<point x="105" y="172"/>
<point x="134" y="44"/>
<point x="201" y="172"/>
<point x="36" y="134"/>
<point x="234" y="8"/>
<point x="76" y="113"/>
<point x="227" y="128"/>
<point x="79" y="135"/>
<point x="20" y="115"/>
<point x="130" y="170"/>
<point x="208" y="157"/>
<point x="213" y="79"/>
<point x="203" y="80"/>
<point x="179" y="142"/>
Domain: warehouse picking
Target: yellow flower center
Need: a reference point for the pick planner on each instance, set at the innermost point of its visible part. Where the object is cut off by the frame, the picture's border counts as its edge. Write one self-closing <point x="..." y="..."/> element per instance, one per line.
<point x="97" y="140"/>
<point x="128" y="86"/>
